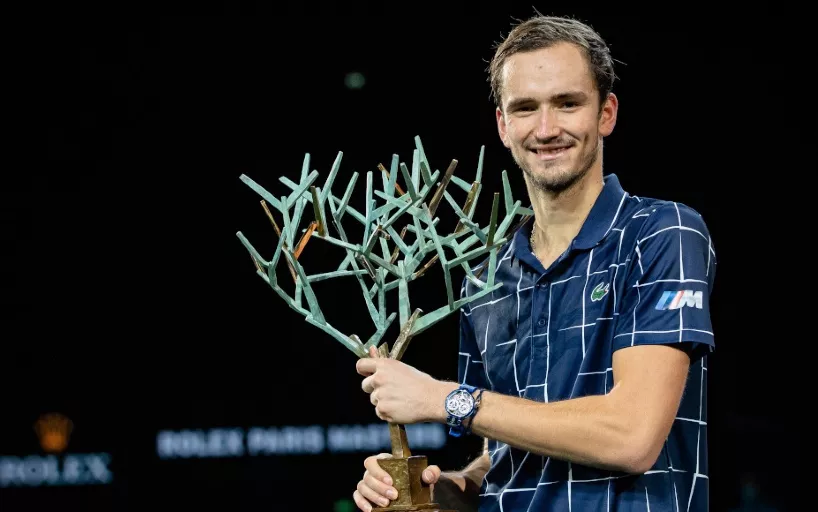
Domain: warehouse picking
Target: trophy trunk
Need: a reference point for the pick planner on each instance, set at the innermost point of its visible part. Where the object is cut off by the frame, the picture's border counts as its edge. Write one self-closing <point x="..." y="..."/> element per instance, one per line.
<point x="406" y="471"/>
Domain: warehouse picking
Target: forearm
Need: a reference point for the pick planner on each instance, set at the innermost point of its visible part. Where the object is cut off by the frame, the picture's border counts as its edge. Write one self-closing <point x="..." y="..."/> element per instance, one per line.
<point x="593" y="430"/>
<point x="460" y="490"/>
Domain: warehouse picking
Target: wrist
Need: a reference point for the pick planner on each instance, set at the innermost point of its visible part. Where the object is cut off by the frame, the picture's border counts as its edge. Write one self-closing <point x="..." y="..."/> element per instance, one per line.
<point x="438" y="410"/>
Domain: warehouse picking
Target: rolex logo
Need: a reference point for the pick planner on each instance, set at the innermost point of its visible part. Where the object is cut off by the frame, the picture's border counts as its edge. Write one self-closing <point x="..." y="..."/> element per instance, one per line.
<point x="55" y="468"/>
<point x="53" y="430"/>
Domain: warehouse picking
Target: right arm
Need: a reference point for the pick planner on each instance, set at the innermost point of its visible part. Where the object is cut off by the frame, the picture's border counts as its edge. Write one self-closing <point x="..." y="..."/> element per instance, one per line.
<point x="458" y="490"/>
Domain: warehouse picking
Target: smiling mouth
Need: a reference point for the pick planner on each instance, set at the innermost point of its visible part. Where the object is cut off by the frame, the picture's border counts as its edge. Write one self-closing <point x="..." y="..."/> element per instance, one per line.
<point x="551" y="153"/>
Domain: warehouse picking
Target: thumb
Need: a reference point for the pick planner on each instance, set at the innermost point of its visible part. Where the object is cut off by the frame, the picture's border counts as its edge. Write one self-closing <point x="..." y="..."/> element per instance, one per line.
<point x="431" y="474"/>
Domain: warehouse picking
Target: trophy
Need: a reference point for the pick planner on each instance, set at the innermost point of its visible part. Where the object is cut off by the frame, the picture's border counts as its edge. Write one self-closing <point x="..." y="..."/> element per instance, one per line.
<point x="379" y="268"/>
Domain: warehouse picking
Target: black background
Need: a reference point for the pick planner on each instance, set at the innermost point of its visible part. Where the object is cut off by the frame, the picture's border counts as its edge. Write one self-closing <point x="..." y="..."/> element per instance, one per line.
<point x="132" y="307"/>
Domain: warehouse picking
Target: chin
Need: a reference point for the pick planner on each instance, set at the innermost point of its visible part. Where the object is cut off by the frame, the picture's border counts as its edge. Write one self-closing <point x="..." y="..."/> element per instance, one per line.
<point x="554" y="178"/>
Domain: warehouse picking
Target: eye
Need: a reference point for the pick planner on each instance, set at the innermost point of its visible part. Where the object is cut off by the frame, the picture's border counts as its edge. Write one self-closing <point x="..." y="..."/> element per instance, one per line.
<point x="524" y="109"/>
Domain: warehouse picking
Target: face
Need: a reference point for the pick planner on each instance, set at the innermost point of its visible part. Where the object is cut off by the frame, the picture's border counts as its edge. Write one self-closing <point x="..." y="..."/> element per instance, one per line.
<point x="550" y="118"/>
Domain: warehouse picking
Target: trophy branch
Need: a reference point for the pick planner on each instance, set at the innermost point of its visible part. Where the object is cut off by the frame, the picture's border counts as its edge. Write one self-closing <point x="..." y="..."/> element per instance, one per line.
<point x="379" y="268"/>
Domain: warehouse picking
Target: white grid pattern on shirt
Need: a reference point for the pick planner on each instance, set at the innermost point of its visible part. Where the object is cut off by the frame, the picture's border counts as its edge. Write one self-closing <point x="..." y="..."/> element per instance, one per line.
<point x="585" y="325"/>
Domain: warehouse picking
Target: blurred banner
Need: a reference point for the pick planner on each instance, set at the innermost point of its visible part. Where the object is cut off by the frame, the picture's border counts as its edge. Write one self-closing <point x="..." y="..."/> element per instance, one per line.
<point x="55" y="465"/>
<point x="291" y="440"/>
<point x="98" y="461"/>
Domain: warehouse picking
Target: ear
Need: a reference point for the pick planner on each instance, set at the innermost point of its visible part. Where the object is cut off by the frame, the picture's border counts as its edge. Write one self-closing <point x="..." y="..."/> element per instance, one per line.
<point x="607" y="116"/>
<point x="502" y="129"/>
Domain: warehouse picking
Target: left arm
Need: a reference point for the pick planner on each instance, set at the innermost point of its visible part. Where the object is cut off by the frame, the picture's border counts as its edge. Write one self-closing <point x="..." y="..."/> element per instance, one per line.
<point x="623" y="430"/>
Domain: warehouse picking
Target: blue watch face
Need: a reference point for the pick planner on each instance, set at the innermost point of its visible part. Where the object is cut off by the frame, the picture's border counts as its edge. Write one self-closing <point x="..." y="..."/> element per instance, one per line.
<point x="460" y="403"/>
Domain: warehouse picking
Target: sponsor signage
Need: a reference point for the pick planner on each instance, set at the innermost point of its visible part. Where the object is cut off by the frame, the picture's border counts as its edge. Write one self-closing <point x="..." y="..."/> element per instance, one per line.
<point x="56" y="466"/>
<point x="291" y="440"/>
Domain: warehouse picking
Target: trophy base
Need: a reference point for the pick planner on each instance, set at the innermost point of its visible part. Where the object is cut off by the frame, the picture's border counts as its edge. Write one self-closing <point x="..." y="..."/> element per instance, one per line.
<point x="413" y="493"/>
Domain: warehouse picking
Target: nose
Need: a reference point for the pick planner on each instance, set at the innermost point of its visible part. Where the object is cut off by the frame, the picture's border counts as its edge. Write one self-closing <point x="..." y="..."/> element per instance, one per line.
<point x="547" y="127"/>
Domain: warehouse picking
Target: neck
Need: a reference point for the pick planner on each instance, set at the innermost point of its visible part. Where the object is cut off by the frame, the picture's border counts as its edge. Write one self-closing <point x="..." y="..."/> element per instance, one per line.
<point x="559" y="216"/>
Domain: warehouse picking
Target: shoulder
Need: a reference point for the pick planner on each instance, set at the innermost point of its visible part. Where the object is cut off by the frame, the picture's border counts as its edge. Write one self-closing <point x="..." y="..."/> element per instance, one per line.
<point x="649" y="218"/>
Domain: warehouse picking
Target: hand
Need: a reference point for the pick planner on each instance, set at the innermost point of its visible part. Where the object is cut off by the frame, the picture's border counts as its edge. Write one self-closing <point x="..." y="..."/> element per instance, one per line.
<point x="376" y="485"/>
<point x="400" y="393"/>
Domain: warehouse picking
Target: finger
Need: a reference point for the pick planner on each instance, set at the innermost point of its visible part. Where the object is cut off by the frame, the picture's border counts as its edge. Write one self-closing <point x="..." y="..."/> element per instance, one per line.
<point x="431" y="474"/>
<point x="366" y="365"/>
<point x="368" y="385"/>
<point x="371" y="495"/>
<point x="375" y="469"/>
<point x="380" y="488"/>
<point x="373" y="352"/>
<point x="374" y="398"/>
<point x="361" y="502"/>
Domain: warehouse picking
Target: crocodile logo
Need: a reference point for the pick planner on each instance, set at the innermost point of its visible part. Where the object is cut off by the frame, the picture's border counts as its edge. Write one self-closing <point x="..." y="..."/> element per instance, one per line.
<point x="600" y="291"/>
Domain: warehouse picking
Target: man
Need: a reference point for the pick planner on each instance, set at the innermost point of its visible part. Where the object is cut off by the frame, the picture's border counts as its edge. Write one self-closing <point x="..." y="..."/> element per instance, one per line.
<point x="592" y="356"/>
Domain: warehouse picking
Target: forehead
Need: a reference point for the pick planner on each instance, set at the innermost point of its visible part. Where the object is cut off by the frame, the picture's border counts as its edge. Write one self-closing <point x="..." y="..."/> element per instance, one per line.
<point x="546" y="72"/>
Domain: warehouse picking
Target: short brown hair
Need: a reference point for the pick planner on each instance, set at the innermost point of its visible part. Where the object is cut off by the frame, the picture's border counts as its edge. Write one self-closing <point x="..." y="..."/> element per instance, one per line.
<point x="545" y="31"/>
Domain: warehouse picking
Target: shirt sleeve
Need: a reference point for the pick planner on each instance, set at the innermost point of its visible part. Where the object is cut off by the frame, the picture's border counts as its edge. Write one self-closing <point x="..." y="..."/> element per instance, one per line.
<point x="470" y="368"/>
<point x="666" y="294"/>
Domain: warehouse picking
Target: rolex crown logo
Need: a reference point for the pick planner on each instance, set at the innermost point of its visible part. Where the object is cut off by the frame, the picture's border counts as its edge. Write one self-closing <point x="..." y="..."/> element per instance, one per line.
<point x="54" y="430"/>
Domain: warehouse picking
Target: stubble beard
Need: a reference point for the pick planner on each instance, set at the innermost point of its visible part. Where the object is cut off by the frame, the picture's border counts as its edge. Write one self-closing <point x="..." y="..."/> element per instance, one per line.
<point x="556" y="184"/>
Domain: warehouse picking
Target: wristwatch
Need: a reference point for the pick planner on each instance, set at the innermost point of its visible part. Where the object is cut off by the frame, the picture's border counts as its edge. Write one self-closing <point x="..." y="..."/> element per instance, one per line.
<point x="460" y="405"/>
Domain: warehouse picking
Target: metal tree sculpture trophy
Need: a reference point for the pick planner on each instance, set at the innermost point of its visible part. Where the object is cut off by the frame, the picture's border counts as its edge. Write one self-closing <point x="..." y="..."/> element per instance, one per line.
<point x="378" y="273"/>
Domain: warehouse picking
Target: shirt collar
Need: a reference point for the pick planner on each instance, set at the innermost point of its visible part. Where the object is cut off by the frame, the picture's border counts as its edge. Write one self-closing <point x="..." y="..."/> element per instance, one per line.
<point x="596" y="226"/>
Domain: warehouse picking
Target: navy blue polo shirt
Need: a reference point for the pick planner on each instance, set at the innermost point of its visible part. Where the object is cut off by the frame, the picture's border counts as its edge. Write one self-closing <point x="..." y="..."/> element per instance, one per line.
<point x="639" y="272"/>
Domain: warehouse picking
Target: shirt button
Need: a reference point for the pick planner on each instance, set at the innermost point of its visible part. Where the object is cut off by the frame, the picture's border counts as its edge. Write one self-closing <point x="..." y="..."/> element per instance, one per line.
<point x="541" y="322"/>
